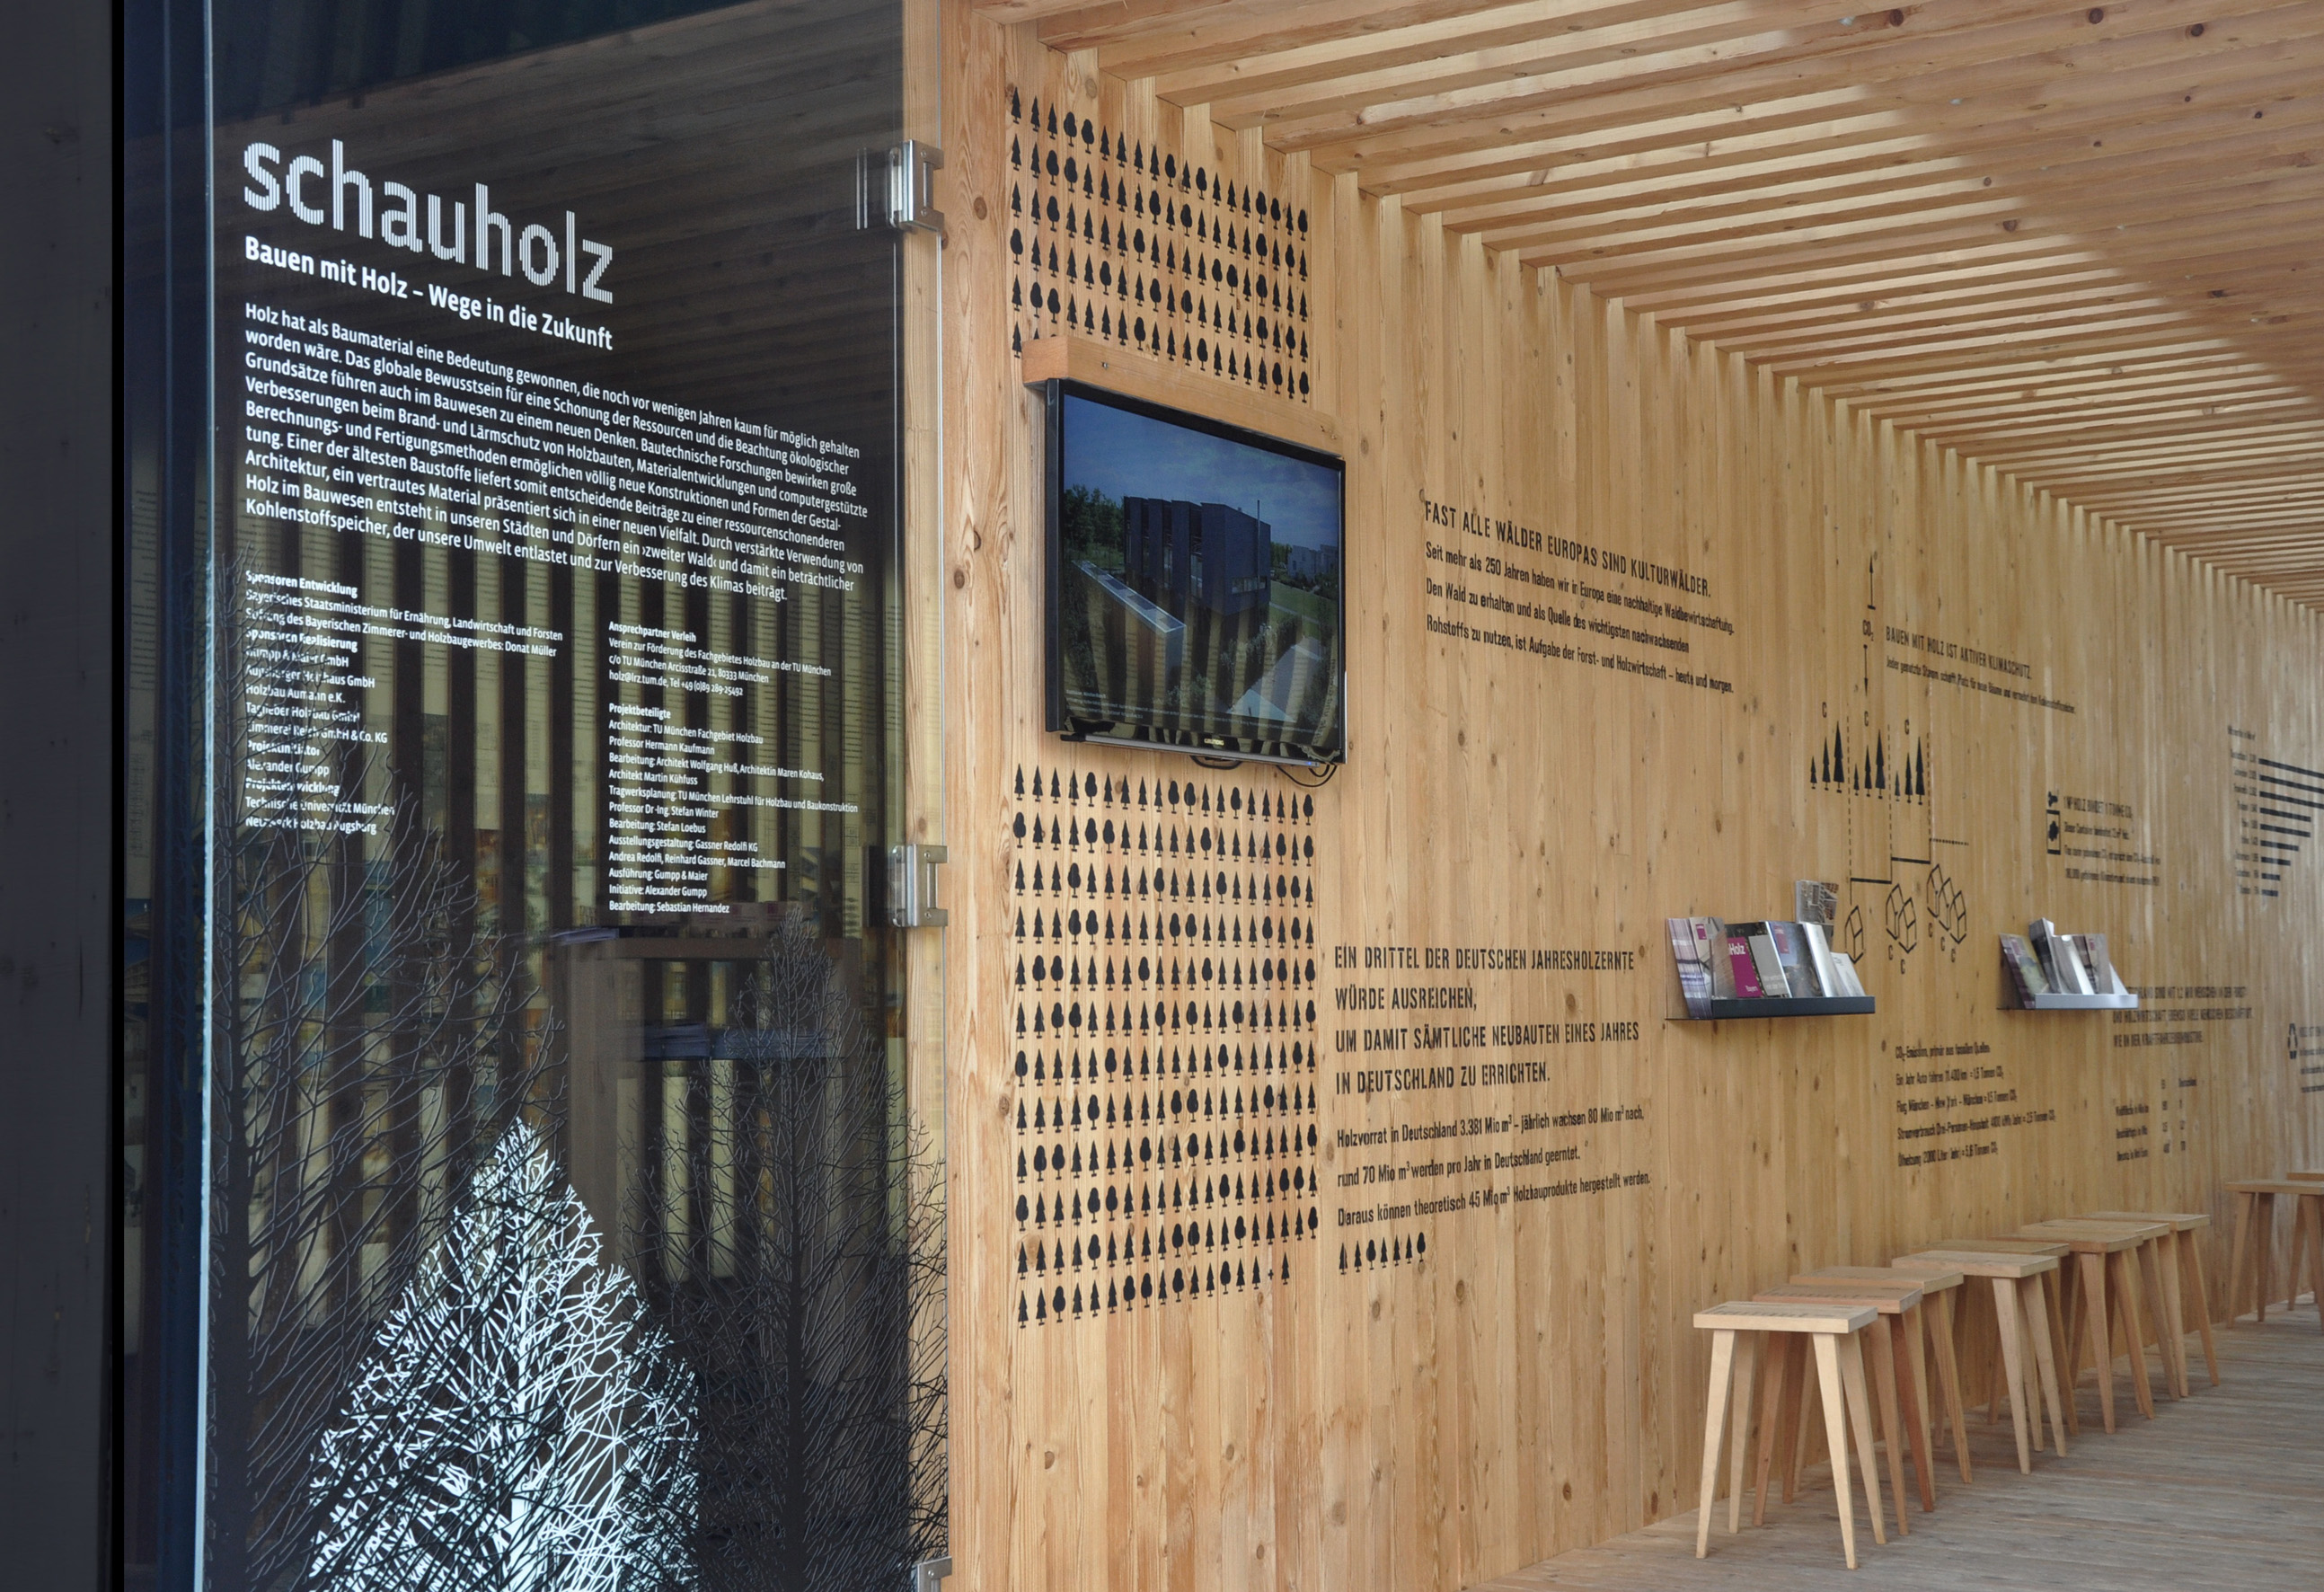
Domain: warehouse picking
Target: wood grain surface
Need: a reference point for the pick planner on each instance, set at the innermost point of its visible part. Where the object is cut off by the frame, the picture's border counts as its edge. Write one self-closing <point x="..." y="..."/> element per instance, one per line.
<point x="1754" y="635"/>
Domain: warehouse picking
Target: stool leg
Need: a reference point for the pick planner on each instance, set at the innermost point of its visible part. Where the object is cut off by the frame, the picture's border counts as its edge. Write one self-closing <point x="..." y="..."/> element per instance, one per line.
<point x="2315" y="1245"/>
<point x="2299" y="1251"/>
<point x="1883" y="1355"/>
<point x="2140" y="1270"/>
<point x="2190" y="1252"/>
<point x="2013" y="1361"/>
<point x="1799" y="1436"/>
<point x="1835" y="1433"/>
<point x="2246" y="1211"/>
<point x="1860" y="1416"/>
<point x="1722" y="1362"/>
<point x="1803" y="1448"/>
<point x="2060" y="1343"/>
<point x="2037" y="1330"/>
<point x="2091" y="1306"/>
<point x="1917" y="1414"/>
<point x="1746" y="1384"/>
<point x="1994" y="1381"/>
<point x="2123" y="1275"/>
<point x="1940" y="1321"/>
<point x="2263" y="1238"/>
<point x="2076" y="1332"/>
<point x="2161" y="1265"/>
<point x="1776" y="1356"/>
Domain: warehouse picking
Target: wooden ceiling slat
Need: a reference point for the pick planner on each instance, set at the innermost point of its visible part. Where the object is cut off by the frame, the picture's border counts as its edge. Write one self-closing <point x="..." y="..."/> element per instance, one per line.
<point x="1610" y="41"/>
<point x="1898" y="167"/>
<point x="2224" y="204"/>
<point x="2005" y="56"/>
<point x="1141" y="38"/>
<point x="2172" y="416"/>
<point x="2077" y="244"/>
<point x="2225" y="276"/>
<point x="1571" y="174"/>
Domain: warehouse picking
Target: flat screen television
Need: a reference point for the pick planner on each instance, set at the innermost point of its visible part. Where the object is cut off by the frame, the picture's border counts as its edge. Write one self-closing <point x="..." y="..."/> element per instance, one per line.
<point x="1194" y="589"/>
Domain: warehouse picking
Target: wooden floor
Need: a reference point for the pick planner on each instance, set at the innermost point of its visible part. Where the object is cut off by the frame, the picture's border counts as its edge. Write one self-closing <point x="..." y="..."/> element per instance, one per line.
<point x="2226" y="1491"/>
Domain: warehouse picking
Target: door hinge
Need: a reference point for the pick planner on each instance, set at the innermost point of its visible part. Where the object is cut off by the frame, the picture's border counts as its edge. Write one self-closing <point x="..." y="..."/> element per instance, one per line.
<point x="912" y="187"/>
<point x="912" y="886"/>
<point x="929" y="1571"/>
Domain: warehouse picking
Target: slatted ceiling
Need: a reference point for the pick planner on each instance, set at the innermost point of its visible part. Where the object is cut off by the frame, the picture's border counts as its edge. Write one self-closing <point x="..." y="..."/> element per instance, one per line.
<point x="2076" y="243"/>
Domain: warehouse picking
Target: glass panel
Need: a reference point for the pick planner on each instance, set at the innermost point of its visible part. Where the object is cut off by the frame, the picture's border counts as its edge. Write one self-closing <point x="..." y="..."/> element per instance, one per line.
<point x="515" y="1125"/>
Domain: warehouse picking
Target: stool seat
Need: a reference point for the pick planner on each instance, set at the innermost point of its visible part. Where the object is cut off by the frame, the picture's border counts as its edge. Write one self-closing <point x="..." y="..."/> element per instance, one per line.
<point x="1737" y="1314"/>
<point x="2181" y="1221"/>
<point x="1931" y="1278"/>
<point x="1894" y="1299"/>
<point x="1978" y="1263"/>
<point x="1993" y="1242"/>
<point x="2094" y="1237"/>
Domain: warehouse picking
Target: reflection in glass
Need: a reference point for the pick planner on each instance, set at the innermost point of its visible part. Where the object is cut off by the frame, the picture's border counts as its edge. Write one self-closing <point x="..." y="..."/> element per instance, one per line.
<point x="515" y="1126"/>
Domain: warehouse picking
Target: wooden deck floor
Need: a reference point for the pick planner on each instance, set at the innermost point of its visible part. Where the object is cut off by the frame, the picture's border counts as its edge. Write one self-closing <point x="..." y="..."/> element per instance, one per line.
<point x="2223" y="1491"/>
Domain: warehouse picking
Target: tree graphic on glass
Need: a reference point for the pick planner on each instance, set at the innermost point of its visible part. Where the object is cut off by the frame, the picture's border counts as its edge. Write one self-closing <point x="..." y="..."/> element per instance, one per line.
<point x="375" y="1038"/>
<point x="518" y="1426"/>
<point x="427" y="1373"/>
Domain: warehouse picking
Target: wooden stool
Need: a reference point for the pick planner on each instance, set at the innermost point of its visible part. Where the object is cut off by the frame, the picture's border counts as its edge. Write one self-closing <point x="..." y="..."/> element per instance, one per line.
<point x="2142" y="1262"/>
<point x="2019" y="1308"/>
<point x="2102" y="1252"/>
<point x="1840" y="1372"/>
<point x="1937" y="1283"/>
<point x="2182" y="1268"/>
<point x="2255" y="1220"/>
<point x="1904" y="1421"/>
<point x="2055" y="1289"/>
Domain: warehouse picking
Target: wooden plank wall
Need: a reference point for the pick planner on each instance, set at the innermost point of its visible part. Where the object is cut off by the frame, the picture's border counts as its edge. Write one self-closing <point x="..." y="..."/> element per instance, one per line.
<point x="1988" y="659"/>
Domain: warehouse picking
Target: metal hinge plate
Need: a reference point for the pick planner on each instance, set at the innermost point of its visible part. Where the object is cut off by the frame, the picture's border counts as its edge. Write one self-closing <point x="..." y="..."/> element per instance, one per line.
<point x="912" y="886"/>
<point x="912" y="187"/>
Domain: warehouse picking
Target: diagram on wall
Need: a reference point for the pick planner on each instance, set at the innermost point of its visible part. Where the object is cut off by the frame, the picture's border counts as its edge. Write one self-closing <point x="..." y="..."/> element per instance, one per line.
<point x="2275" y="803"/>
<point x="1162" y="976"/>
<point x="1881" y="770"/>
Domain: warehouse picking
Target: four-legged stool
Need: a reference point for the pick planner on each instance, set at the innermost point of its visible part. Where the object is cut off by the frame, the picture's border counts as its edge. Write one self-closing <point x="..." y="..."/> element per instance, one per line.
<point x="2124" y="1253"/>
<point x="2053" y="1285"/>
<point x="1937" y="1283"/>
<point x="1898" y="1299"/>
<point x="1833" y="1331"/>
<point x="2182" y="1270"/>
<point x="2256" y="1201"/>
<point x="2023" y="1318"/>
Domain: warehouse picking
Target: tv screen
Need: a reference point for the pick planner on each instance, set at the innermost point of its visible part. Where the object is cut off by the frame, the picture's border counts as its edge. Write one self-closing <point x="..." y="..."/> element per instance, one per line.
<point x="1195" y="573"/>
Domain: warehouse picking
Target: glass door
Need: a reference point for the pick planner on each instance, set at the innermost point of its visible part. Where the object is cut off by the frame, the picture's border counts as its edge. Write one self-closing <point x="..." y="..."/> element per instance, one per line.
<point x="525" y="1195"/>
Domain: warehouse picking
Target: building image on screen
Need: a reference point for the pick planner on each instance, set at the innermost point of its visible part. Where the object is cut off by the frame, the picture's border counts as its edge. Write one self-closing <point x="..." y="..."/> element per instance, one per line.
<point x="1197" y="586"/>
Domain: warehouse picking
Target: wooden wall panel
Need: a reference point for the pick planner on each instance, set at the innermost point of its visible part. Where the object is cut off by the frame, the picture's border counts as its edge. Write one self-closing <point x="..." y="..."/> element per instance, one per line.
<point x="1527" y="1381"/>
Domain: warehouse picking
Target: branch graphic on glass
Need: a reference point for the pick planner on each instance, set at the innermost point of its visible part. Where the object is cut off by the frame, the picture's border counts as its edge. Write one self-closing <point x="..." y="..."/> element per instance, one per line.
<point x="794" y="1240"/>
<point x="519" y="1424"/>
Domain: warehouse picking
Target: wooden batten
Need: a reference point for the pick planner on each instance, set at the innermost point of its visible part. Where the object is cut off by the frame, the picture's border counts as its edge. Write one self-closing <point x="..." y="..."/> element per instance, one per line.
<point x="1071" y="357"/>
